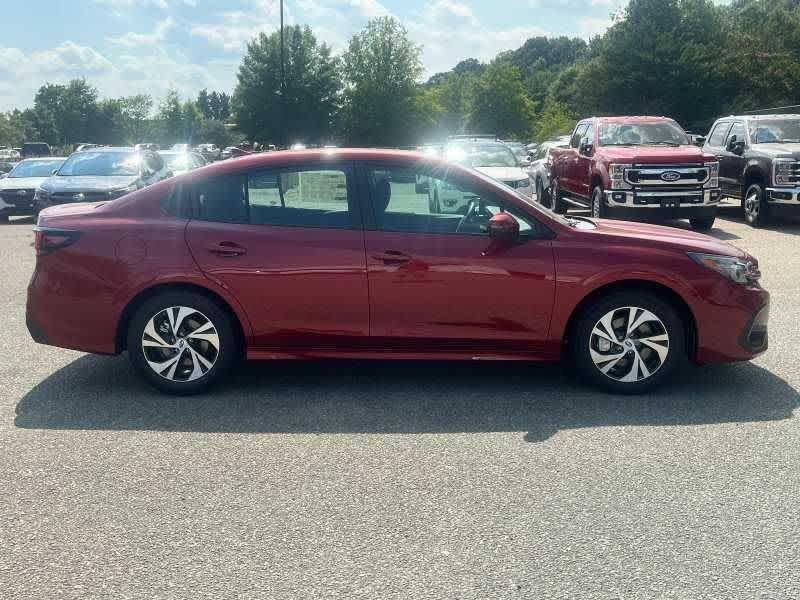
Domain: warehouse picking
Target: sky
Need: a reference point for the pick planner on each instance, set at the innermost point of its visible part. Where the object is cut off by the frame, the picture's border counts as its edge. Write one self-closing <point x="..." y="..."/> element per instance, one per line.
<point x="126" y="47"/>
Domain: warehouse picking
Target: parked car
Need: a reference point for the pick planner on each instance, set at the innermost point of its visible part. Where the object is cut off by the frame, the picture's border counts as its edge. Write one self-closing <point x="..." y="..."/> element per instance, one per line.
<point x="18" y="188"/>
<point x="9" y="154"/>
<point x="34" y="149"/>
<point x="227" y="152"/>
<point x="324" y="254"/>
<point x="181" y="147"/>
<point x="520" y="151"/>
<point x="759" y="164"/>
<point x="539" y="170"/>
<point x="494" y="159"/>
<point x="636" y="168"/>
<point x="99" y="175"/>
<point x="178" y="163"/>
<point x="6" y="166"/>
<point x="82" y="147"/>
<point x="147" y="146"/>
<point x="210" y="152"/>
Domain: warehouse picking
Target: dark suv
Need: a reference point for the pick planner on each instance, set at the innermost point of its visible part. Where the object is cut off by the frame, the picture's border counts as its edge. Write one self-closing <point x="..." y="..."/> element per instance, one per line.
<point x="759" y="163"/>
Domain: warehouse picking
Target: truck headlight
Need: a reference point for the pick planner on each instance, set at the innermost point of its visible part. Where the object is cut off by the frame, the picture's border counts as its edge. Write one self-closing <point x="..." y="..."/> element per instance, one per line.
<point x="616" y="172"/>
<point x="118" y="193"/>
<point x="783" y="171"/>
<point x="738" y="270"/>
<point x="523" y="183"/>
<point x="713" y="174"/>
<point x="41" y="195"/>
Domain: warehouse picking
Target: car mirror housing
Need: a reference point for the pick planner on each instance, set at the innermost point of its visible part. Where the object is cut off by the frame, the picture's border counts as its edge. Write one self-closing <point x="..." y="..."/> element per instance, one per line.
<point x="503" y="229"/>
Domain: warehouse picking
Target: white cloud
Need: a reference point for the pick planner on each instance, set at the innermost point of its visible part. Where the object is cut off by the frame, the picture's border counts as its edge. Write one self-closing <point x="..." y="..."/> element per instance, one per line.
<point x="370" y="8"/>
<point x="591" y="27"/>
<point x="158" y="34"/>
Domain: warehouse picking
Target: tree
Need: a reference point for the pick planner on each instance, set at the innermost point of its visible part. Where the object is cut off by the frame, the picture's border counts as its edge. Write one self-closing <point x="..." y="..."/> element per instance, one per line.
<point x="381" y="67"/>
<point x="135" y="112"/>
<point x="500" y="103"/>
<point x="553" y="121"/>
<point x="204" y="103"/>
<point x="170" y="116"/>
<point x="312" y="89"/>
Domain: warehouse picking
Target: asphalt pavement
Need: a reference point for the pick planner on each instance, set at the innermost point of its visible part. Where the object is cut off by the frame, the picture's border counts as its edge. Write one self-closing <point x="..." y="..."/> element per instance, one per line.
<point x="400" y="479"/>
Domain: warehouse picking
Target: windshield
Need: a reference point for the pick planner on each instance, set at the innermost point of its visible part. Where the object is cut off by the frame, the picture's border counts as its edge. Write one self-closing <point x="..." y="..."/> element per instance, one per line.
<point x="35" y="168"/>
<point x="642" y="134"/>
<point x="101" y="164"/>
<point x="775" y="132"/>
<point x="178" y="161"/>
<point x="482" y="155"/>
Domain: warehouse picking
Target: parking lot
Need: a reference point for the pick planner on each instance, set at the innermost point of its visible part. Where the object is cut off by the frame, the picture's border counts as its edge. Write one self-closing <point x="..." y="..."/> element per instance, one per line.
<point x="401" y="479"/>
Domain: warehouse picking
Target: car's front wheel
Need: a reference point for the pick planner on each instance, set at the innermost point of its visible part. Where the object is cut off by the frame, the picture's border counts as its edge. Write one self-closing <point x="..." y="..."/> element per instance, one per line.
<point x="755" y="206"/>
<point x="541" y="193"/>
<point x="557" y="203"/>
<point x="182" y="342"/>
<point x="598" y="203"/>
<point x="628" y="342"/>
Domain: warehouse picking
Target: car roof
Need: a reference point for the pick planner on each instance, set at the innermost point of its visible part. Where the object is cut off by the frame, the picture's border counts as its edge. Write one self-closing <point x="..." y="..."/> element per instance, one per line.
<point x="631" y="119"/>
<point x="44" y="158"/>
<point x="760" y="117"/>
<point x="112" y="149"/>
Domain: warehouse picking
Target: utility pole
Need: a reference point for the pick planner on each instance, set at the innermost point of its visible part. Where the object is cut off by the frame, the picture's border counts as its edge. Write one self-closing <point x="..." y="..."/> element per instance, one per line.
<point x="283" y="84"/>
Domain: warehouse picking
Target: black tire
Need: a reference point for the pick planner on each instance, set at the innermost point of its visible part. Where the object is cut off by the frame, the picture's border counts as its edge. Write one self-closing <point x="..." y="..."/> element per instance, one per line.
<point x="702" y="224"/>
<point x="557" y="203"/>
<point x="433" y="203"/>
<point x="542" y="195"/>
<point x="581" y="339"/>
<point x="754" y="206"/>
<point x="228" y="353"/>
<point x="3" y="219"/>
<point x="598" y="203"/>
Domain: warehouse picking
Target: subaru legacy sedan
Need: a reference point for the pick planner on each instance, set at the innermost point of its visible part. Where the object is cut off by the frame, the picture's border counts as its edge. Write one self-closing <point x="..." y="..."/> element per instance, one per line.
<point x="333" y="253"/>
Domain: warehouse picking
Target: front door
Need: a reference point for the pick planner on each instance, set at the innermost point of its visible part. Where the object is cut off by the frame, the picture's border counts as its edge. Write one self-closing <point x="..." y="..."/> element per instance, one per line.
<point x="289" y="245"/>
<point x="434" y="284"/>
<point x="731" y="166"/>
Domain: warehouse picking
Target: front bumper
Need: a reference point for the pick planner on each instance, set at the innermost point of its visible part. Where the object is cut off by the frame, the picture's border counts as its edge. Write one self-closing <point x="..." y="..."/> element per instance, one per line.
<point x="642" y="204"/>
<point x="784" y="200"/>
<point x="17" y="205"/>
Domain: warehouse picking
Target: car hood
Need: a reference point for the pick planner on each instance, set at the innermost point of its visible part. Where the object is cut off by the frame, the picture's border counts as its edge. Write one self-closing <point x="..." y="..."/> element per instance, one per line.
<point x="87" y="183"/>
<point x="776" y="150"/>
<point x="21" y="183"/>
<point x="674" y="237"/>
<point x="503" y="173"/>
<point x="654" y="154"/>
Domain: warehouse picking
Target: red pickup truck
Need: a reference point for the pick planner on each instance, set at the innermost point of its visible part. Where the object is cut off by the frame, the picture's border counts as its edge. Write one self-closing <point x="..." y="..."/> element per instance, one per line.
<point x="636" y="169"/>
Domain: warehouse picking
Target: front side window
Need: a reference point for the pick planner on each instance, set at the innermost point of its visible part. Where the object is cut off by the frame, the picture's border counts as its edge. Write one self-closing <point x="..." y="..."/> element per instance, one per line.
<point x="446" y="206"/>
<point x="736" y="133"/>
<point x="666" y="133"/>
<point x="777" y="131"/>
<point x="717" y="137"/>
<point x="578" y="135"/>
<point x="34" y="168"/>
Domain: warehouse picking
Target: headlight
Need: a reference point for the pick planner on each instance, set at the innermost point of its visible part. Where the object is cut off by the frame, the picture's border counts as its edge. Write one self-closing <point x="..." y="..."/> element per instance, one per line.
<point x="617" y="174"/>
<point x="713" y="174"/>
<point x="736" y="269"/>
<point x="122" y="191"/>
<point x="783" y="171"/>
<point x="523" y="183"/>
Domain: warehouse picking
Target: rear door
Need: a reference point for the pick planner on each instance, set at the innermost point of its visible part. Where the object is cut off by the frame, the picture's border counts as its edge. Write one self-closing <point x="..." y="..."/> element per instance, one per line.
<point x="434" y="285"/>
<point x="288" y="243"/>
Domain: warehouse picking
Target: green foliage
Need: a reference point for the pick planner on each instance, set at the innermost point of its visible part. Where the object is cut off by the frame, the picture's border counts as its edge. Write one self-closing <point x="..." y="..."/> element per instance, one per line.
<point x="500" y="103"/>
<point x="380" y="67"/>
<point x="554" y="121"/>
<point x="312" y="87"/>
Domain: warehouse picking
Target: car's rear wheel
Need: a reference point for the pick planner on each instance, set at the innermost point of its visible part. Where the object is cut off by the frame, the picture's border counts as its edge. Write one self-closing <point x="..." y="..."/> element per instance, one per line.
<point x="557" y="203"/>
<point x="755" y="206"/>
<point x="182" y="342"/>
<point x="702" y="224"/>
<point x="628" y="342"/>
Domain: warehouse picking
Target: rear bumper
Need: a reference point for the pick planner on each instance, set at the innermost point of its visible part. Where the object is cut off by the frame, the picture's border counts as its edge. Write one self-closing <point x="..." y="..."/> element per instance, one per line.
<point x="650" y="205"/>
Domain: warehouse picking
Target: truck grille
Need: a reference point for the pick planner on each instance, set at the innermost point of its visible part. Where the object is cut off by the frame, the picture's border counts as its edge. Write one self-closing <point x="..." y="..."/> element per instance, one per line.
<point x="667" y="175"/>
<point x="794" y="173"/>
<point x="17" y="197"/>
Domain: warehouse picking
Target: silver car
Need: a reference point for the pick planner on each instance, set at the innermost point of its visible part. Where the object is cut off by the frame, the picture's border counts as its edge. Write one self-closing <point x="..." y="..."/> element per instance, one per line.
<point x="539" y="169"/>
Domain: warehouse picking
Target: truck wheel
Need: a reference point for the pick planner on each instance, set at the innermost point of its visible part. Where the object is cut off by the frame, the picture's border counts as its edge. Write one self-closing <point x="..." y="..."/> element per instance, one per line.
<point x="702" y="224"/>
<point x="433" y="203"/>
<point x="628" y="342"/>
<point x="557" y="203"/>
<point x="598" y="203"/>
<point x="756" y="211"/>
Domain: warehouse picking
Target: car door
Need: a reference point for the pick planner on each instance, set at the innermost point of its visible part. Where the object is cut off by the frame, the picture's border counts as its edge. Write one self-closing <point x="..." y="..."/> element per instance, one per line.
<point x="731" y="165"/>
<point x="288" y="243"/>
<point x="434" y="283"/>
<point x="581" y="165"/>
<point x="715" y="144"/>
<point x="569" y="157"/>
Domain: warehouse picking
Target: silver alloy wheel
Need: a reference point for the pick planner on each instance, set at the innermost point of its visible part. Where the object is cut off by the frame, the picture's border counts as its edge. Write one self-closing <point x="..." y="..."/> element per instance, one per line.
<point x="752" y="204"/>
<point x="596" y="205"/>
<point x="180" y="344"/>
<point x="629" y="344"/>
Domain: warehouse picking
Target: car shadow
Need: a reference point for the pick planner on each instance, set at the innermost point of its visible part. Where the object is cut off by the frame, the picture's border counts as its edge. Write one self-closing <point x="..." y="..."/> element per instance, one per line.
<point x="789" y="225"/>
<point x="380" y="397"/>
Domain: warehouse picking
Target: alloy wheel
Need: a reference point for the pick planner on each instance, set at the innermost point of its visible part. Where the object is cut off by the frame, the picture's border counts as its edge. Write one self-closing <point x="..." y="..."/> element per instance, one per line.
<point x="180" y="344"/>
<point x="629" y="344"/>
<point x="596" y="205"/>
<point x="752" y="205"/>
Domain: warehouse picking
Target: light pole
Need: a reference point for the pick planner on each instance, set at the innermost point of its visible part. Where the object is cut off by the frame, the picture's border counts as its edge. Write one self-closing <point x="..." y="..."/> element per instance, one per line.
<point x="283" y="84"/>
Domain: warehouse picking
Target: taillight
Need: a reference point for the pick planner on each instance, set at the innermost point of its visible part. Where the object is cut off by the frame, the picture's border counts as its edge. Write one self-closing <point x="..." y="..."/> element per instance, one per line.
<point x="47" y="240"/>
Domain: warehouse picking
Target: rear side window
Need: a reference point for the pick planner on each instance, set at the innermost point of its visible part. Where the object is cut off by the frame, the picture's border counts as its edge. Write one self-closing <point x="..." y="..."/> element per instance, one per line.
<point x="717" y="137"/>
<point x="222" y="199"/>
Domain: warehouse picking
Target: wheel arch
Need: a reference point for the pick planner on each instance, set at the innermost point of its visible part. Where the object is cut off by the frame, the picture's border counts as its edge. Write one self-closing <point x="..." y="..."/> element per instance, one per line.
<point x="175" y="286"/>
<point x="754" y="173"/>
<point x="638" y="285"/>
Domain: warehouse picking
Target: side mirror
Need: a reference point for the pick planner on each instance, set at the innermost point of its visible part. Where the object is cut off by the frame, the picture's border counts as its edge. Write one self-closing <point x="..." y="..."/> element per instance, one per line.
<point x="699" y="141"/>
<point x="525" y="162"/>
<point x="54" y="171"/>
<point x="503" y="230"/>
<point x="586" y="146"/>
<point x="735" y="145"/>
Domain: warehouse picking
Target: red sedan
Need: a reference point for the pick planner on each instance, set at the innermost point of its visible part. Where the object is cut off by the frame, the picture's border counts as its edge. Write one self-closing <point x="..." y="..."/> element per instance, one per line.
<point x="339" y="253"/>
